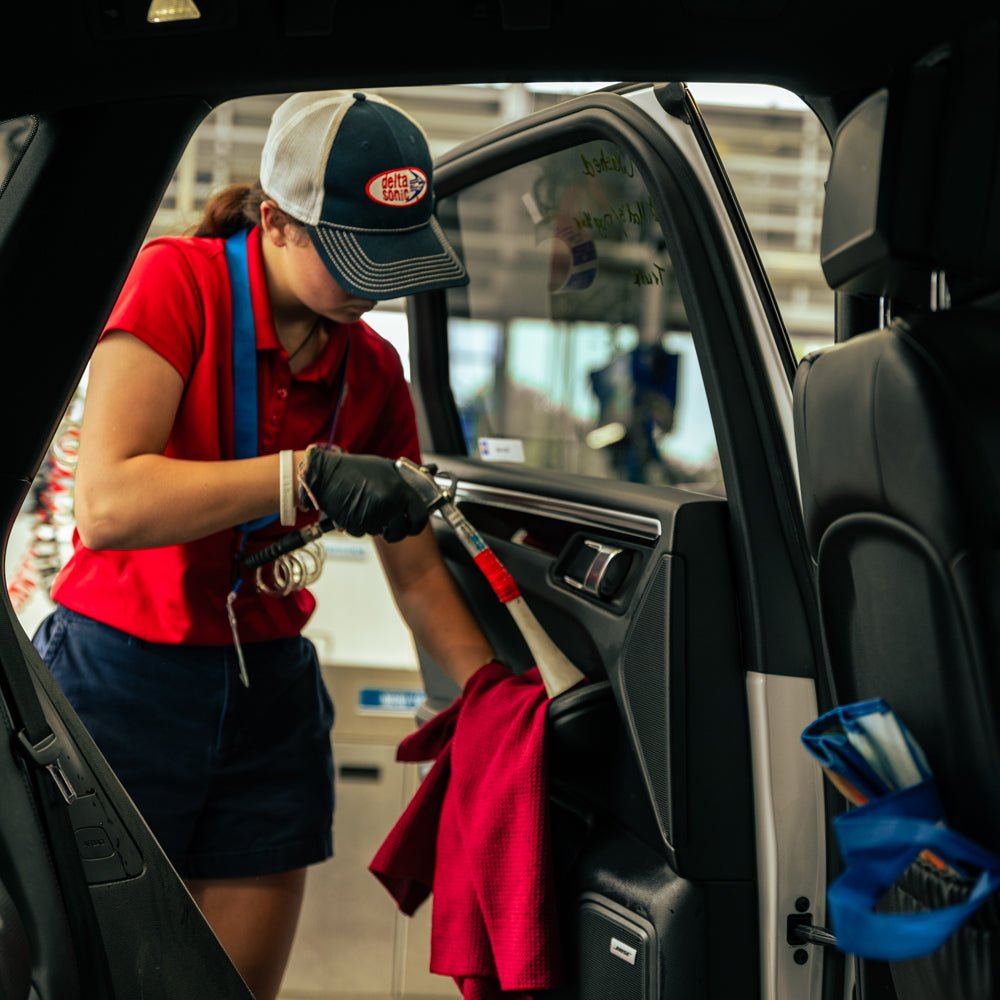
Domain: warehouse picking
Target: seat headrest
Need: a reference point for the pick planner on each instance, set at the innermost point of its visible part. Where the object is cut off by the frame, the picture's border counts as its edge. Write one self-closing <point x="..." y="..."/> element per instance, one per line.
<point x="912" y="183"/>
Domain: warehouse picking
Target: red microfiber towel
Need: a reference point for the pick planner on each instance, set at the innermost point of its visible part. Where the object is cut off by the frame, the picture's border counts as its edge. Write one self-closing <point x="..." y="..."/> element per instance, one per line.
<point x="476" y="835"/>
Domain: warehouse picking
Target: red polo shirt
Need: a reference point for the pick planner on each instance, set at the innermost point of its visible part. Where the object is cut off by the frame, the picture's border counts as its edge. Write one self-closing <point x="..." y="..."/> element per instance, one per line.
<point x="177" y="300"/>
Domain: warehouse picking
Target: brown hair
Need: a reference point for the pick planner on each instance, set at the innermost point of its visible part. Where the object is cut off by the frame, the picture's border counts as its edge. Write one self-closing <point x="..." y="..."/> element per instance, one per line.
<point x="234" y="208"/>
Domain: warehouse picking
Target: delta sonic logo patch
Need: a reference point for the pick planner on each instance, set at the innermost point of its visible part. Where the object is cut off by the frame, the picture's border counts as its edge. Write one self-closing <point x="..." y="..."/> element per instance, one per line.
<point x="398" y="188"/>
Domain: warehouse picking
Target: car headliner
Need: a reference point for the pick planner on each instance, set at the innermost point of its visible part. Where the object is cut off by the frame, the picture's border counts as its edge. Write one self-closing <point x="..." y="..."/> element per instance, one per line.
<point x="103" y="50"/>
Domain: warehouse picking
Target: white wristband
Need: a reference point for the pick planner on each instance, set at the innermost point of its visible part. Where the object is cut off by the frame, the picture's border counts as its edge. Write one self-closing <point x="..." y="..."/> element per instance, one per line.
<point x="286" y="487"/>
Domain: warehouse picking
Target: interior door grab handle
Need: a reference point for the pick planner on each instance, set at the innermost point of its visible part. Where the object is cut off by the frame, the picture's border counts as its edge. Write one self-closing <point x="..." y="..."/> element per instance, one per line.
<point x="595" y="578"/>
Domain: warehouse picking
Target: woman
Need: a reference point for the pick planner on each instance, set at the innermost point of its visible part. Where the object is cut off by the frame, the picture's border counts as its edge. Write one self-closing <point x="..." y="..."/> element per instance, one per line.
<point x="235" y="381"/>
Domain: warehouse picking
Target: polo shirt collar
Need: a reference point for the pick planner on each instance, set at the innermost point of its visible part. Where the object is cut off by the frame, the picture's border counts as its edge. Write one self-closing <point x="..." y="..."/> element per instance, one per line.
<point x="263" y="319"/>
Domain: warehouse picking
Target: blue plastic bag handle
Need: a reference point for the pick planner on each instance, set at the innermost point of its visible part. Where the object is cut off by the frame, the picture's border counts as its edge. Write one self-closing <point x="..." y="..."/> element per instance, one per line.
<point x="879" y="841"/>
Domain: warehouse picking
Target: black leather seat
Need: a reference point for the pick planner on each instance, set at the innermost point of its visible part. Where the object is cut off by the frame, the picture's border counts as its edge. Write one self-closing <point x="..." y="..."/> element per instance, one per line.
<point x="898" y="440"/>
<point x="898" y="433"/>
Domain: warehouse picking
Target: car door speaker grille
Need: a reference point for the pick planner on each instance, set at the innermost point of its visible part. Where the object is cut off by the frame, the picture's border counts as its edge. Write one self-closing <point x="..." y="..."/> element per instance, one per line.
<point x="617" y="952"/>
<point x="647" y="682"/>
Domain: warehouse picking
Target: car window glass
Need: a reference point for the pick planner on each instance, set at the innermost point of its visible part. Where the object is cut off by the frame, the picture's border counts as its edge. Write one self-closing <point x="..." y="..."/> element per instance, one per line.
<point x="570" y="348"/>
<point x="777" y="154"/>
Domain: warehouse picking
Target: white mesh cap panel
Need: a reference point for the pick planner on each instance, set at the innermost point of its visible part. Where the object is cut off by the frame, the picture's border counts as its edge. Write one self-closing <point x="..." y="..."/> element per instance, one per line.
<point x="297" y="147"/>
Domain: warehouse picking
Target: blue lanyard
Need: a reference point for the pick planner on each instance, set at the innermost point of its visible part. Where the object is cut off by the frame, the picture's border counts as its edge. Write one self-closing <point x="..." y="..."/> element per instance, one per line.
<point x="245" y="400"/>
<point x="245" y="365"/>
<point x="244" y="361"/>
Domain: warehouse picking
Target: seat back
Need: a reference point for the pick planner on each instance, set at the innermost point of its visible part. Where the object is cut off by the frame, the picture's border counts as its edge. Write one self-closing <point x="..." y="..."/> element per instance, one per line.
<point x="898" y="429"/>
<point x="899" y="447"/>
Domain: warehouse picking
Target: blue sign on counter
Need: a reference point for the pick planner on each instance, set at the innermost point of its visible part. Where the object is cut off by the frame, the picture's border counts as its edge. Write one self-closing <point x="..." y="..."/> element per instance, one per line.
<point x="390" y="701"/>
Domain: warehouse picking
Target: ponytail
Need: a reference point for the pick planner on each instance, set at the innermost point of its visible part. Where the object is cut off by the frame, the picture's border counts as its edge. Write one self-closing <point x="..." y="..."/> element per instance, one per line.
<point x="234" y="208"/>
<point x="228" y="211"/>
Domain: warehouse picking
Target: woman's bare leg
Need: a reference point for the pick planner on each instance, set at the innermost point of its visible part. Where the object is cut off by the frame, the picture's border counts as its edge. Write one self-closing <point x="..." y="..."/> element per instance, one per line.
<point x="254" y="919"/>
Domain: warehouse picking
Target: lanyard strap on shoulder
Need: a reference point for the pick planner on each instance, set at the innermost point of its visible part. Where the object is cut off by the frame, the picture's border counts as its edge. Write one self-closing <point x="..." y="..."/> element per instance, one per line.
<point x="244" y="360"/>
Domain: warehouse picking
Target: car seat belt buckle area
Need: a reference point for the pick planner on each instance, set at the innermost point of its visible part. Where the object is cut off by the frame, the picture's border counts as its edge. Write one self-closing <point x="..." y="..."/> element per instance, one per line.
<point x="47" y="753"/>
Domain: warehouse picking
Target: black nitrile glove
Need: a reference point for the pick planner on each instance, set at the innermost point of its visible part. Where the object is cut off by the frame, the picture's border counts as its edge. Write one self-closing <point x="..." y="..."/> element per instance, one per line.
<point x="364" y="494"/>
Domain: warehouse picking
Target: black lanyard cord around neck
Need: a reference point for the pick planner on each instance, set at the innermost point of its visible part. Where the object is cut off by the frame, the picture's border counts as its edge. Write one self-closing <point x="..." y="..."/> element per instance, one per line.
<point x="245" y="429"/>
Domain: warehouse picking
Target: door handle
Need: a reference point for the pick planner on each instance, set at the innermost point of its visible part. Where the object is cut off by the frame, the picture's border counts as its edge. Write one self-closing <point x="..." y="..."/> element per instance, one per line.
<point x="597" y="569"/>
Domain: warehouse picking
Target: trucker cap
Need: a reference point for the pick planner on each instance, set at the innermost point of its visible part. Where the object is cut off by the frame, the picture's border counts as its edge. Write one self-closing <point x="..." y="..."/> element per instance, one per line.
<point x="357" y="172"/>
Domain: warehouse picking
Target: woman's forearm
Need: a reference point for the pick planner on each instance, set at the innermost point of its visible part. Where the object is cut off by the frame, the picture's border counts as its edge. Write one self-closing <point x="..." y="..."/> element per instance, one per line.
<point x="433" y="607"/>
<point x="151" y="500"/>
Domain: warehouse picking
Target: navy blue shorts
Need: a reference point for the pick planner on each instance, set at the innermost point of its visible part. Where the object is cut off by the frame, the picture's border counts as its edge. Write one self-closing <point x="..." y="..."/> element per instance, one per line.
<point x="232" y="781"/>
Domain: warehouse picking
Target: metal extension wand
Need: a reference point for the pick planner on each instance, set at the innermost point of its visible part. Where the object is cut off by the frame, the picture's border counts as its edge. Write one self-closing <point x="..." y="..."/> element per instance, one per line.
<point x="558" y="673"/>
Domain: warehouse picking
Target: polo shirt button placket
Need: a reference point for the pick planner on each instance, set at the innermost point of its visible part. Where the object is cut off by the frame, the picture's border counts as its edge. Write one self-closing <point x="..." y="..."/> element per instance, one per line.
<point x="276" y="415"/>
<point x="271" y="433"/>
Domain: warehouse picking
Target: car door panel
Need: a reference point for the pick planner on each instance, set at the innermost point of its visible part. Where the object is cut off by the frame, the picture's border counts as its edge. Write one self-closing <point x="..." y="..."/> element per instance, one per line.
<point x="663" y="772"/>
<point x="657" y="809"/>
<point x="668" y="643"/>
<point x="132" y="886"/>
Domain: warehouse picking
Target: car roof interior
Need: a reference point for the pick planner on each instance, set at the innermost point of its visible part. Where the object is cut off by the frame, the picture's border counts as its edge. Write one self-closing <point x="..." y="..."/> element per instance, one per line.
<point x="105" y="50"/>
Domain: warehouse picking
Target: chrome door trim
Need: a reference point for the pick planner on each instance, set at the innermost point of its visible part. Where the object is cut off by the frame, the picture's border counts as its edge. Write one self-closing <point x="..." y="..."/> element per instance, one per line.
<point x="637" y="525"/>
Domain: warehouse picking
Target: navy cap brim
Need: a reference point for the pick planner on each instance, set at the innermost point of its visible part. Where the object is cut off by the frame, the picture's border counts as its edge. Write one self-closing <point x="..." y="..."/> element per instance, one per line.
<point x="388" y="265"/>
